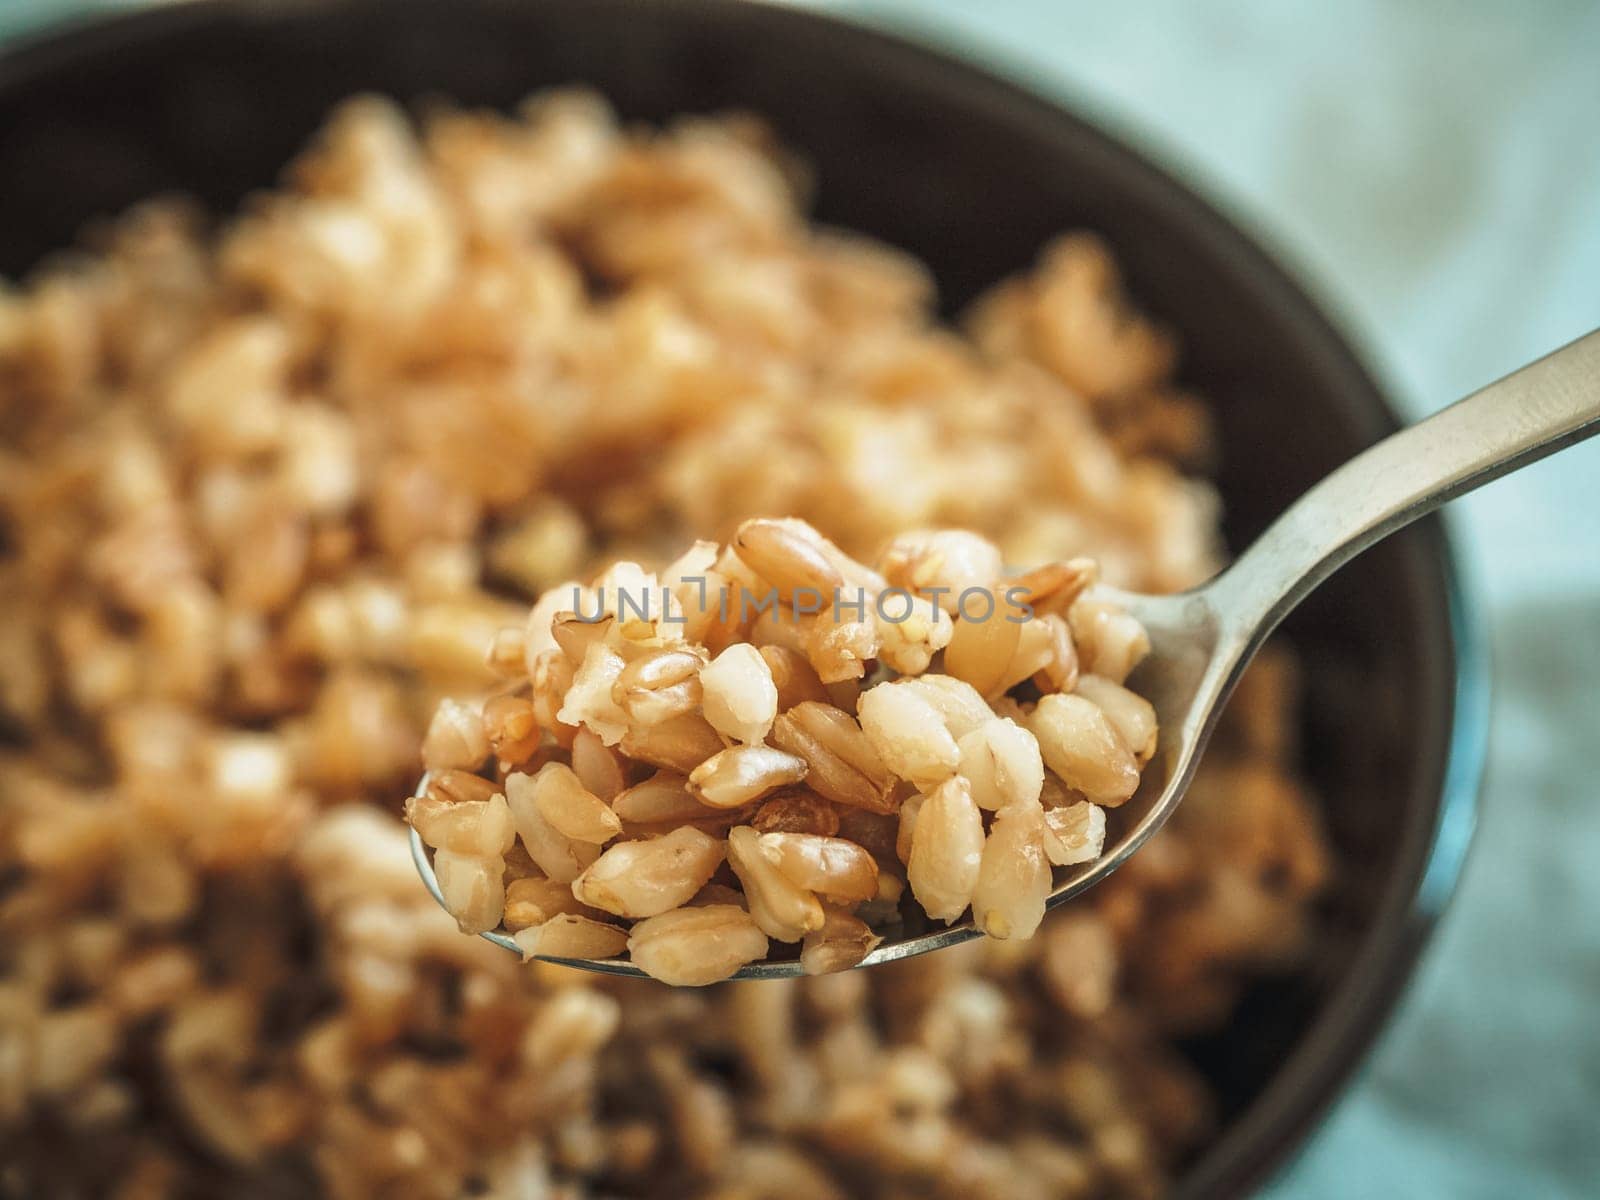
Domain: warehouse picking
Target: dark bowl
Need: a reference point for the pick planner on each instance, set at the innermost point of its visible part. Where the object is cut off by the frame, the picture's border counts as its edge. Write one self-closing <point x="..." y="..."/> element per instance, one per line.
<point x="971" y="174"/>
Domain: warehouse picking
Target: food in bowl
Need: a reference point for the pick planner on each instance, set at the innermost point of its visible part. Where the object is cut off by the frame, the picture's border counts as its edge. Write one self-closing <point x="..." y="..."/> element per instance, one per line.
<point x="717" y="753"/>
<point x="271" y="491"/>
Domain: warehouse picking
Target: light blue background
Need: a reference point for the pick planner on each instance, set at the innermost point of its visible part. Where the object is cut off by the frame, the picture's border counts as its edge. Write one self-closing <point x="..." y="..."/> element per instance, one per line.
<point x="1432" y="171"/>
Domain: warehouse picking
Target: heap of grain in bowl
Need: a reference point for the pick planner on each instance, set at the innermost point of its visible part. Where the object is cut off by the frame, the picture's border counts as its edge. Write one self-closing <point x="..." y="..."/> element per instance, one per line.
<point x="831" y="731"/>
<point x="269" y="487"/>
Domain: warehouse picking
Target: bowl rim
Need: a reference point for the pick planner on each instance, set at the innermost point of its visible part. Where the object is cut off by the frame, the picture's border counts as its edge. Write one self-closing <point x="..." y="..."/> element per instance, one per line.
<point x="1268" y="1133"/>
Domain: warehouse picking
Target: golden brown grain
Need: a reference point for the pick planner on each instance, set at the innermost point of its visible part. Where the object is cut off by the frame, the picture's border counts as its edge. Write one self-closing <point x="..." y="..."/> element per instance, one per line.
<point x="787" y="559"/>
<point x="1082" y="747"/>
<point x="473" y="888"/>
<point x="680" y="744"/>
<point x="908" y="735"/>
<point x="662" y="797"/>
<point x="659" y="685"/>
<point x="533" y="901"/>
<point x="1131" y="715"/>
<point x="646" y="878"/>
<point x="572" y="935"/>
<point x="1014" y="876"/>
<point x="946" y="850"/>
<point x="983" y="643"/>
<point x="740" y="775"/>
<point x="692" y="947"/>
<point x="557" y="855"/>
<point x="512" y="727"/>
<point x="1110" y="641"/>
<point x="783" y="909"/>
<point x="456" y="738"/>
<point x="601" y="769"/>
<point x="793" y="676"/>
<point x="942" y="563"/>
<point x="477" y="827"/>
<point x="841" y="942"/>
<point x="741" y="697"/>
<point x="833" y="867"/>
<point x="1001" y="761"/>
<point x="797" y="812"/>
<point x="572" y="809"/>
<point x="842" y="764"/>
<point x="1074" y="833"/>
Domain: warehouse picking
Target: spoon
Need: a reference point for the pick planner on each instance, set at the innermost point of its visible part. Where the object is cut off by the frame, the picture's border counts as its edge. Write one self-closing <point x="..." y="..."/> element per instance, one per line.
<point x="1202" y="640"/>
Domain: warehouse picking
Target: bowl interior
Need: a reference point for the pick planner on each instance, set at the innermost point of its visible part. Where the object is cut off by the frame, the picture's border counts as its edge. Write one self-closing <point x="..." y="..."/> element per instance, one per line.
<point x="971" y="175"/>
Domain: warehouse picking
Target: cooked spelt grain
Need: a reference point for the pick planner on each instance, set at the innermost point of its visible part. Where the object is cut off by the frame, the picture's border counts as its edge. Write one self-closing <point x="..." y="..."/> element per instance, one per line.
<point x="741" y="698"/>
<point x="1001" y="761"/>
<point x="840" y="943"/>
<point x="788" y="559"/>
<point x="532" y="901"/>
<point x="512" y="727"/>
<point x="473" y="888"/>
<point x="1060" y="670"/>
<point x="842" y="764"/>
<point x="646" y="878"/>
<point x="906" y="827"/>
<point x="1111" y="641"/>
<point x="551" y="676"/>
<point x="1080" y="745"/>
<point x="715" y="617"/>
<point x="797" y="812"/>
<point x="840" y="648"/>
<point x="692" y="947"/>
<point x="455" y="738"/>
<point x="942" y="563"/>
<point x="984" y="640"/>
<point x="1054" y="587"/>
<point x="661" y="798"/>
<point x="911" y="630"/>
<point x="660" y="685"/>
<point x="681" y="744"/>
<point x="474" y="827"/>
<point x="558" y="856"/>
<point x="538" y="633"/>
<point x="793" y="676"/>
<point x="946" y="850"/>
<point x="960" y="706"/>
<point x="1074" y="833"/>
<point x="589" y="700"/>
<point x="600" y="768"/>
<point x="884" y="908"/>
<point x="780" y="627"/>
<point x="740" y="775"/>
<point x="1035" y="652"/>
<point x="785" y="911"/>
<point x="570" y="935"/>
<point x="1131" y="715"/>
<point x="1014" y="875"/>
<point x="832" y="867"/>
<point x="908" y="735"/>
<point x="572" y="809"/>
<point x="461" y="787"/>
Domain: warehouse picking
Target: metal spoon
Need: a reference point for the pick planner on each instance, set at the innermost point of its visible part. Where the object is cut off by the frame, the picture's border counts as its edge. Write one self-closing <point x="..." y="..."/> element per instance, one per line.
<point x="1202" y="640"/>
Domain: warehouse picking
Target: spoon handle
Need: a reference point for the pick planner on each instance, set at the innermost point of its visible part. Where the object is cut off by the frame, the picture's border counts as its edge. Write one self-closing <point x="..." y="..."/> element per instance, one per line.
<point x="1547" y="405"/>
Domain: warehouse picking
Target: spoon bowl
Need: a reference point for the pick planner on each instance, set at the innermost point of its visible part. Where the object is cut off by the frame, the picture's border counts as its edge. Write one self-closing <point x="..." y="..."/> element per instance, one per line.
<point x="1202" y="640"/>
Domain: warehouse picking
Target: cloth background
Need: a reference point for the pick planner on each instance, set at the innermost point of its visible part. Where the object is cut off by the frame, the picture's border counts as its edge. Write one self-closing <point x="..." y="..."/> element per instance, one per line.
<point x="1431" y="171"/>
